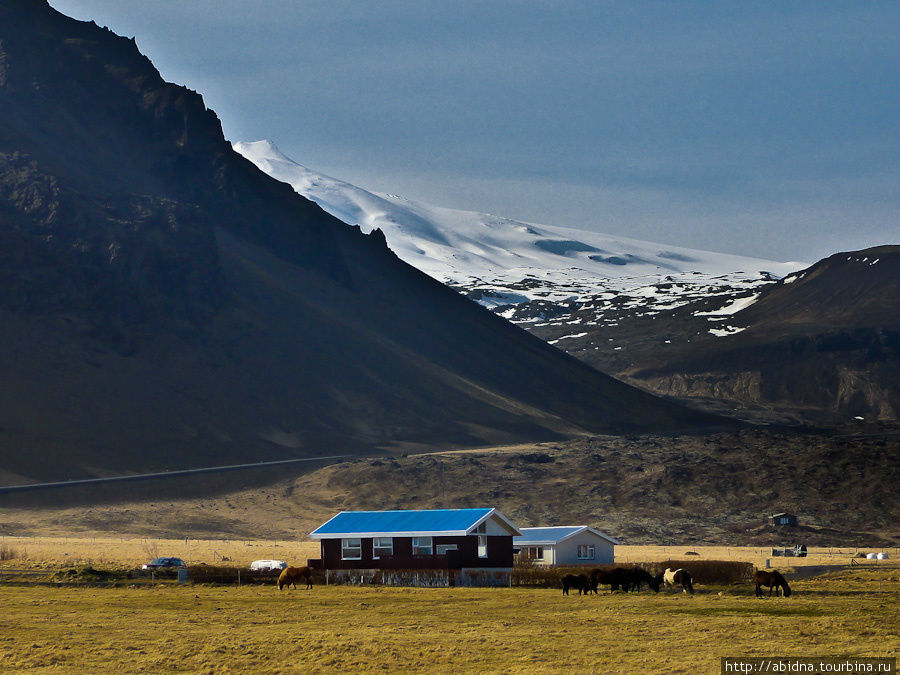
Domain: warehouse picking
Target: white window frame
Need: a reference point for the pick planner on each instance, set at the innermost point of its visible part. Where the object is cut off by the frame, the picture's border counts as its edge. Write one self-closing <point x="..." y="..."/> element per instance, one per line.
<point x="534" y="552"/>
<point x="590" y="552"/>
<point x="386" y="549"/>
<point x="441" y="549"/>
<point x="482" y="546"/>
<point x="348" y="545"/>
<point x="419" y="543"/>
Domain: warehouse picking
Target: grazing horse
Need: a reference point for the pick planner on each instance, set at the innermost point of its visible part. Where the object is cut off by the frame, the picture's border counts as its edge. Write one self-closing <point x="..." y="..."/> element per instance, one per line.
<point x="773" y="580"/>
<point x="572" y="581"/>
<point x="290" y="575"/>
<point x="680" y="577"/>
<point x="622" y="577"/>
<point x="636" y="577"/>
<point x="604" y="577"/>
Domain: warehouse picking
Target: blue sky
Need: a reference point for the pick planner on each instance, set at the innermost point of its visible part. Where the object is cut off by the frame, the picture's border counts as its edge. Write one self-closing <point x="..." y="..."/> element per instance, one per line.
<point x="758" y="128"/>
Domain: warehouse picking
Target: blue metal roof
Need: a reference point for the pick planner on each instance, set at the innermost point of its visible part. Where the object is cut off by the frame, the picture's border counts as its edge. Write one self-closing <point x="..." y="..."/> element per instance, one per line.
<point x="549" y="535"/>
<point x="409" y="523"/>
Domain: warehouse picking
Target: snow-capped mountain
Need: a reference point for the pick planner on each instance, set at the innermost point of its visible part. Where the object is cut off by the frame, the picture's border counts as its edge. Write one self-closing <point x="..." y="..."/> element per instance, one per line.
<point x="525" y="271"/>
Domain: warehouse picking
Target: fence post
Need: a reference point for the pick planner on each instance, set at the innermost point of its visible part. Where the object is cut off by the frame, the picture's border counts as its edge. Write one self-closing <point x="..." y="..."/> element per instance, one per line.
<point x="239" y="577"/>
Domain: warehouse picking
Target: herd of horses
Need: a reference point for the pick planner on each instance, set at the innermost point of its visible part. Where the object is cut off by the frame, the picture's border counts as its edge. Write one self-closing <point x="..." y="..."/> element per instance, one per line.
<point x="627" y="579"/>
<point x="632" y="579"/>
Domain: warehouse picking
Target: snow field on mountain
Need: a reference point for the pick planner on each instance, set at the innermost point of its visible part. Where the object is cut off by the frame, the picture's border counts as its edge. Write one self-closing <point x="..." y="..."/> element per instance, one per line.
<point x="503" y="263"/>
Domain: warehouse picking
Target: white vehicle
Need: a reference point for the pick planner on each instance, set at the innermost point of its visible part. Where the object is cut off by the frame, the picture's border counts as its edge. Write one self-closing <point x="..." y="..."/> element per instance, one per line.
<point x="267" y="565"/>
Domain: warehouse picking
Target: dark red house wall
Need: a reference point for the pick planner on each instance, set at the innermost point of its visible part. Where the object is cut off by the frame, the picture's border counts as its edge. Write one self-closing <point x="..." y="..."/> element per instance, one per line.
<point x="500" y="554"/>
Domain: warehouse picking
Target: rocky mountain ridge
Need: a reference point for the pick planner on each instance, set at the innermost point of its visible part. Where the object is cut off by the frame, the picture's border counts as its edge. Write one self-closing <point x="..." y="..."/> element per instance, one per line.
<point x="165" y="304"/>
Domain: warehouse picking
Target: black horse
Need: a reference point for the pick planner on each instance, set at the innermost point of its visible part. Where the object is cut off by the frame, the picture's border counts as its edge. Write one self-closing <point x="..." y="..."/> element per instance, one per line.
<point x="579" y="581"/>
<point x="773" y="580"/>
<point x="637" y="576"/>
<point x="625" y="578"/>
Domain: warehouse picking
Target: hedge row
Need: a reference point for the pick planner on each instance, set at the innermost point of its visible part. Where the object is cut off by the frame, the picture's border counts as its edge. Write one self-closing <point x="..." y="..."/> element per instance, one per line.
<point x="211" y="574"/>
<point x="702" y="572"/>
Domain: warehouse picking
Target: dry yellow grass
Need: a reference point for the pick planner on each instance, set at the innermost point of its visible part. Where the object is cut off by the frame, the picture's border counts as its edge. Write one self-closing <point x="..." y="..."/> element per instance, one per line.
<point x="752" y="554"/>
<point x="131" y="551"/>
<point x="121" y="551"/>
<point x="330" y="629"/>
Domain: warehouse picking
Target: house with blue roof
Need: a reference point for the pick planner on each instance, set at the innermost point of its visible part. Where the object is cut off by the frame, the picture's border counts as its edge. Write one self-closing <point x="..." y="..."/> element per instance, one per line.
<point x="454" y="546"/>
<point x="565" y="545"/>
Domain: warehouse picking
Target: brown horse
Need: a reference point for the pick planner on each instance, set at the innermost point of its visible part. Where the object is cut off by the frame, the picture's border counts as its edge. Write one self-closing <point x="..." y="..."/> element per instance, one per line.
<point x="773" y="580"/>
<point x="290" y="575"/>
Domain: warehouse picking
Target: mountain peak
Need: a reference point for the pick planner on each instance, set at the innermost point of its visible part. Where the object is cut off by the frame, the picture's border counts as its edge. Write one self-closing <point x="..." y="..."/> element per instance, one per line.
<point x="166" y="304"/>
<point x="265" y="149"/>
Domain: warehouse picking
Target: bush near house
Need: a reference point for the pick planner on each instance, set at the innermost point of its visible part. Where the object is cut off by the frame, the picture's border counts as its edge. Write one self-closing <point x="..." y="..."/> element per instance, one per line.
<point x="702" y="571"/>
<point x="707" y="571"/>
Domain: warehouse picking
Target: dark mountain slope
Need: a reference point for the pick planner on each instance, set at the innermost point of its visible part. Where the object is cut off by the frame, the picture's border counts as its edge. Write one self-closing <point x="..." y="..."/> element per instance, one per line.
<point x="165" y="304"/>
<point x="822" y="345"/>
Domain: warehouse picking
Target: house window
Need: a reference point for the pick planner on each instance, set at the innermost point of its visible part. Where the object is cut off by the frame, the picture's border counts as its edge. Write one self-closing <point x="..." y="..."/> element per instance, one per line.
<point x="534" y="552"/>
<point x="585" y="551"/>
<point x="441" y="549"/>
<point x="482" y="546"/>
<point x="351" y="549"/>
<point x="382" y="547"/>
<point x="422" y="546"/>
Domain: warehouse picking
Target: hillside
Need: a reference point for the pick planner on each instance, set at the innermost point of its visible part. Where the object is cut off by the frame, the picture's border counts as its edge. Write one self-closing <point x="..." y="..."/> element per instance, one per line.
<point x="165" y="304"/>
<point x="683" y="489"/>
<point x="822" y="345"/>
<point x="817" y="348"/>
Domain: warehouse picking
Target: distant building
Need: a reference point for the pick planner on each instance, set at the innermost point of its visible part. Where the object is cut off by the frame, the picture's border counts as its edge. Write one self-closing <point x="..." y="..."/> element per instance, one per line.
<point x="565" y="545"/>
<point x="441" y="547"/>
<point x="783" y="520"/>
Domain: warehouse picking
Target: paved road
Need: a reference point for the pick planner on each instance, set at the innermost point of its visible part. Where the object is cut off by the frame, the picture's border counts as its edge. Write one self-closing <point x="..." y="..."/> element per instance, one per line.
<point x="5" y="489"/>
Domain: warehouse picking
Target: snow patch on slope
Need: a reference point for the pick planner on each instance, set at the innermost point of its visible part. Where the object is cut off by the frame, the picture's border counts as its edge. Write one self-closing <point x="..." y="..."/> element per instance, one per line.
<point x="505" y="263"/>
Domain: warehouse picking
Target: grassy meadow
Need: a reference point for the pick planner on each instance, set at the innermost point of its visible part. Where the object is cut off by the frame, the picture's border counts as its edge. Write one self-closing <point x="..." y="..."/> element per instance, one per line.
<point x="136" y="626"/>
<point x="53" y="552"/>
<point x="190" y="628"/>
<point x="57" y="552"/>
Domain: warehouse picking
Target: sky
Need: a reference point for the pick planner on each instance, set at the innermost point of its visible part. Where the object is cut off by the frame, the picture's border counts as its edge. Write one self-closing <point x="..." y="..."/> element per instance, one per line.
<point x="769" y="129"/>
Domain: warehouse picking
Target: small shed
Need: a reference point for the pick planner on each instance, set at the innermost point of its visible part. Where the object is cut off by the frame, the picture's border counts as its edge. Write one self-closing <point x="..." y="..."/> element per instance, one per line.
<point x="565" y="545"/>
<point x="783" y="520"/>
<point x="437" y="547"/>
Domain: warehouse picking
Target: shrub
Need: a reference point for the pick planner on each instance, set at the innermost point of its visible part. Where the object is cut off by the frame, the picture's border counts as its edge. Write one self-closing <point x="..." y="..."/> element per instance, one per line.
<point x="222" y="574"/>
<point x="536" y="576"/>
<point x="89" y="574"/>
<point x="708" y="571"/>
<point x="8" y="552"/>
<point x="702" y="571"/>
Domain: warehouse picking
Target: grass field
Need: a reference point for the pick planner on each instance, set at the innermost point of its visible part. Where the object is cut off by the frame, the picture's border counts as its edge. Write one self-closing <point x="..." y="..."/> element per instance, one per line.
<point x="56" y="552"/>
<point x="329" y="629"/>
<point x="53" y="552"/>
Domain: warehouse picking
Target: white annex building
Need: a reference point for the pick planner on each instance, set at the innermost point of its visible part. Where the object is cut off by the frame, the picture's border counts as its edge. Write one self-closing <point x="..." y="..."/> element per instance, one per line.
<point x="565" y="545"/>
